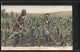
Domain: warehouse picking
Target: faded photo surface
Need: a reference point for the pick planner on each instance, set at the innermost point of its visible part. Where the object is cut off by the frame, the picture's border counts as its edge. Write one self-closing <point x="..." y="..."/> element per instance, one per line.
<point x="36" y="27"/>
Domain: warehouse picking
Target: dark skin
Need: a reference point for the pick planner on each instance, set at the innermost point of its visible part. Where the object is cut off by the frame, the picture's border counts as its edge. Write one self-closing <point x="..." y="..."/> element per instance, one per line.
<point x="20" y="21"/>
<point x="46" y="18"/>
<point x="17" y="37"/>
<point x="19" y="25"/>
<point x="47" y="21"/>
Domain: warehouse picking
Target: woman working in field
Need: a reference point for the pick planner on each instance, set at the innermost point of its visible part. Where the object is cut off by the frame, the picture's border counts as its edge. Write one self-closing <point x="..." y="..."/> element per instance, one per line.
<point x="19" y="25"/>
<point x="20" y="21"/>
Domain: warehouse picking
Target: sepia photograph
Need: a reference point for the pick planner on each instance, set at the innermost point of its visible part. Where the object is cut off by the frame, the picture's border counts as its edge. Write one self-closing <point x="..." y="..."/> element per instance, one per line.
<point x="36" y="27"/>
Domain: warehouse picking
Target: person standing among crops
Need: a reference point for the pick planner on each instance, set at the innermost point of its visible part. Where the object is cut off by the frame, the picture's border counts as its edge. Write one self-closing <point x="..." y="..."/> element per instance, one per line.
<point x="46" y="31"/>
<point x="19" y="25"/>
<point x="46" y="25"/>
<point x="20" y="21"/>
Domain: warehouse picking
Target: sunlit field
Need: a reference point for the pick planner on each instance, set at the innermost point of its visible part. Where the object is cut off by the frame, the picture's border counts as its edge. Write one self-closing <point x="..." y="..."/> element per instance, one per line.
<point x="60" y="30"/>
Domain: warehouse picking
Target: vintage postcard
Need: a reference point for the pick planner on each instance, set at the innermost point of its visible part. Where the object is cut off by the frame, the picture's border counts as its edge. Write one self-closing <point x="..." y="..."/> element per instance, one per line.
<point x="36" y="27"/>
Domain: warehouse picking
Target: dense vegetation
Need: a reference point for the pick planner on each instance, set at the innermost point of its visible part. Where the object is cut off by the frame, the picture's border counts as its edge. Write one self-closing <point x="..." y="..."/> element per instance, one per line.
<point x="60" y="30"/>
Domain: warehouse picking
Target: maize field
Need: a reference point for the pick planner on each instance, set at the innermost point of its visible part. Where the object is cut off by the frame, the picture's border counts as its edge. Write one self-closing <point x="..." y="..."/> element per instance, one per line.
<point x="34" y="27"/>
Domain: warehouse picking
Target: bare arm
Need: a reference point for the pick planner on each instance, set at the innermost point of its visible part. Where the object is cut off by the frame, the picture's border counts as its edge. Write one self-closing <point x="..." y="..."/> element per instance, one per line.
<point x="18" y="22"/>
